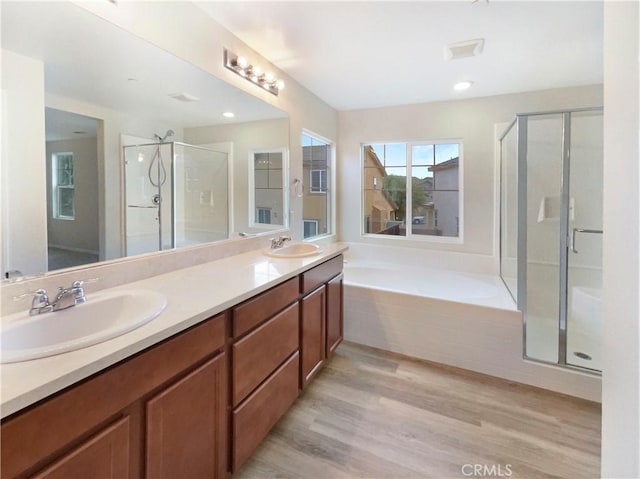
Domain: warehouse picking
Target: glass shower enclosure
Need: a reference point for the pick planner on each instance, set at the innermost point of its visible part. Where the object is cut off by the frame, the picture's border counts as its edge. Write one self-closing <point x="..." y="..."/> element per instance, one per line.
<point x="551" y="233"/>
<point x="176" y="195"/>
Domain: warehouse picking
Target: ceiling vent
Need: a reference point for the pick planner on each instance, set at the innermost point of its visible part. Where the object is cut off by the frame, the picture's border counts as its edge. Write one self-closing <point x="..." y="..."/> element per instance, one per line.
<point x="470" y="48"/>
<point x="184" y="96"/>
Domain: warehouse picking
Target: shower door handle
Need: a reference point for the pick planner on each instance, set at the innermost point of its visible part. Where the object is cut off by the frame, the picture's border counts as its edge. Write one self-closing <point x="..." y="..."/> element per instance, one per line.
<point x="580" y="230"/>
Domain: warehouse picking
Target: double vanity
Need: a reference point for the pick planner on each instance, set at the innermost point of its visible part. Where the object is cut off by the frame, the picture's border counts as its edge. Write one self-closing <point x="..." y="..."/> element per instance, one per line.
<point x="191" y="393"/>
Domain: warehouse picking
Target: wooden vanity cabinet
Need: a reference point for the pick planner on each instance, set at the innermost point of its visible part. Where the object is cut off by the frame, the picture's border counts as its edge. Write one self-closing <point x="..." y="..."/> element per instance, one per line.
<point x="313" y="330"/>
<point x="264" y="366"/>
<point x="335" y="314"/>
<point x="321" y="316"/>
<point x="160" y="413"/>
<point x="186" y="425"/>
<point x="193" y="406"/>
<point x="105" y="455"/>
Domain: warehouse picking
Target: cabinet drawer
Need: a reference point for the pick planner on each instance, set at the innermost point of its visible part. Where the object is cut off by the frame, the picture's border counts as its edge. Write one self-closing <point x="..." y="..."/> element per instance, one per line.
<point x="253" y="419"/>
<point x="256" y="310"/>
<point x="259" y="353"/>
<point x="321" y="274"/>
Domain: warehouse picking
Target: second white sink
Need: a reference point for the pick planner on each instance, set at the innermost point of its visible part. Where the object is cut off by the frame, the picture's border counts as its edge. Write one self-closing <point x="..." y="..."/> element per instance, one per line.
<point x="294" y="250"/>
<point x="102" y="317"/>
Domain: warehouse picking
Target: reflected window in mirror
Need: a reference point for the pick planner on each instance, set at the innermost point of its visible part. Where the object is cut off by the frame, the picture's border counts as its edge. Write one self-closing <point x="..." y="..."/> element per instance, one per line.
<point x="317" y="163"/>
<point x="268" y="173"/>
<point x="62" y="186"/>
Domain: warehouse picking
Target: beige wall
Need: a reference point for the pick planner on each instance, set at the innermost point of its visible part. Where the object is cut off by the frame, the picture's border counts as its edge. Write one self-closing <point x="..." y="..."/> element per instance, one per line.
<point x="81" y="233"/>
<point x="472" y="121"/>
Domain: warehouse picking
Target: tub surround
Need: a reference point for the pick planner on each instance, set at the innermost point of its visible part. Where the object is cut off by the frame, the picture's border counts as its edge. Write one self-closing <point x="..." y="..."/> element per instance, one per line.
<point x="472" y="330"/>
<point x="194" y="294"/>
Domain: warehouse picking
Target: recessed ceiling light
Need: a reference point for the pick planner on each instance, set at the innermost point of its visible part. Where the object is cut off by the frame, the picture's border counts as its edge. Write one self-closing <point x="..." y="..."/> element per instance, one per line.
<point x="228" y="114"/>
<point x="462" y="85"/>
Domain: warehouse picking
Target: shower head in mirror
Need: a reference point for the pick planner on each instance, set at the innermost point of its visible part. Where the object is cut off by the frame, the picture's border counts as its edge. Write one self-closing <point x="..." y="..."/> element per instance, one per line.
<point x="161" y="139"/>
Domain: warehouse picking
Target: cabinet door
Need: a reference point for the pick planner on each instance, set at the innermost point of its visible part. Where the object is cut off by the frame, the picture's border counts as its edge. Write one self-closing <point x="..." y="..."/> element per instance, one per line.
<point x="105" y="455"/>
<point x="335" y="316"/>
<point x="186" y="425"/>
<point x="312" y="337"/>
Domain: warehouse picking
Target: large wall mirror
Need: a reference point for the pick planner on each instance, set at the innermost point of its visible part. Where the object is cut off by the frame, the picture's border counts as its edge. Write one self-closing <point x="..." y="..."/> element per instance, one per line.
<point x="101" y="130"/>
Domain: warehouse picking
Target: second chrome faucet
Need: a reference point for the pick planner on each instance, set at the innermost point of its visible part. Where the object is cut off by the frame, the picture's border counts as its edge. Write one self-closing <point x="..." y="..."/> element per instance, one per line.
<point x="279" y="241"/>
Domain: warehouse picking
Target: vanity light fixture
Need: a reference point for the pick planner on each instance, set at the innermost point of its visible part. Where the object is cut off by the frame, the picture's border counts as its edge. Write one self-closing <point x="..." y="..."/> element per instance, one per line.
<point x="241" y="66"/>
<point x="462" y="85"/>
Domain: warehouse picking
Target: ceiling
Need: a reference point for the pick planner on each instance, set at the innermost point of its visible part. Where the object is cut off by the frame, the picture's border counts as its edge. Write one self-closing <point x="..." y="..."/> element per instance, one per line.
<point x="367" y="54"/>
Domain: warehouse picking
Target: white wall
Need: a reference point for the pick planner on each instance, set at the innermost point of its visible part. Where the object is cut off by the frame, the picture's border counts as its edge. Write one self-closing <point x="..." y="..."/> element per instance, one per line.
<point x="24" y="199"/>
<point x="621" y="374"/>
<point x="470" y="120"/>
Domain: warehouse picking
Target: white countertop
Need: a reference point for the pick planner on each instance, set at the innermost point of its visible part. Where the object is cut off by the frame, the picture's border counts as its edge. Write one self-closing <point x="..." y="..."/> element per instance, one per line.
<point x="193" y="295"/>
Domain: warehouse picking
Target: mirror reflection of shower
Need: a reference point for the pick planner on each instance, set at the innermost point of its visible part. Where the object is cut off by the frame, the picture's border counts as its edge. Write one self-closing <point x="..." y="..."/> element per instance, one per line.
<point x="157" y="168"/>
<point x="175" y="194"/>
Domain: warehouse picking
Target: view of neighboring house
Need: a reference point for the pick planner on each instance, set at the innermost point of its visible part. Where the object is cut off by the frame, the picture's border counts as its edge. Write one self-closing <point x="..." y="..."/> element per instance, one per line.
<point x="445" y="197"/>
<point x="379" y="207"/>
<point x="435" y="209"/>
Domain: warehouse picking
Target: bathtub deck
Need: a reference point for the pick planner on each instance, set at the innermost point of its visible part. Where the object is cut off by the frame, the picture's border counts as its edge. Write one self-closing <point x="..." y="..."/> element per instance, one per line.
<point x="372" y="414"/>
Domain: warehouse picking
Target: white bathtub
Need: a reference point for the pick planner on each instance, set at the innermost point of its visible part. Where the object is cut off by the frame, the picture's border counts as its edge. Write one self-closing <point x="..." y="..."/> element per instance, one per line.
<point x="482" y="290"/>
<point x="423" y="304"/>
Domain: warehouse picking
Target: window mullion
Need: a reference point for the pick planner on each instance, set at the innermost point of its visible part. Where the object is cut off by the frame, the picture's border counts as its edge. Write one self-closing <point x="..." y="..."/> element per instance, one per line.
<point x="408" y="214"/>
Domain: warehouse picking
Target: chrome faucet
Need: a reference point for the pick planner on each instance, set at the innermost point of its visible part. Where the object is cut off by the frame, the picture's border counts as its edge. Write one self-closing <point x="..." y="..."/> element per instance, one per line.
<point x="65" y="298"/>
<point x="279" y="242"/>
<point x="68" y="297"/>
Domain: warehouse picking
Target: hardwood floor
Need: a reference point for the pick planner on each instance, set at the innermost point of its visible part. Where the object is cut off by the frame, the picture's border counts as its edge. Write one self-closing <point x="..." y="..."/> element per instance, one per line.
<point x="373" y="414"/>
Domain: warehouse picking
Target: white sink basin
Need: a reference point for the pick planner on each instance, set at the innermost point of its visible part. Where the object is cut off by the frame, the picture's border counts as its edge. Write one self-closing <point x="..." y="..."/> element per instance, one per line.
<point x="294" y="250"/>
<point x="102" y="317"/>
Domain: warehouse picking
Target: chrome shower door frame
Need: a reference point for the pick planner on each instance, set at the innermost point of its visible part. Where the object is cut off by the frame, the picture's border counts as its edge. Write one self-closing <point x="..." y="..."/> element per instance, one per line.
<point x="521" y="125"/>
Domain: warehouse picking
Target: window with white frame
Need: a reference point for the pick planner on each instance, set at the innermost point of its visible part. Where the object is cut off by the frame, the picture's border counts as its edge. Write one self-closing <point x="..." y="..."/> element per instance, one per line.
<point x="263" y="215"/>
<point x="310" y="228"/>
<point x="318" y="181"/>
<point x="62" y="186"/>
<point x="317" y="163"/>
<point x="412" y="189"/>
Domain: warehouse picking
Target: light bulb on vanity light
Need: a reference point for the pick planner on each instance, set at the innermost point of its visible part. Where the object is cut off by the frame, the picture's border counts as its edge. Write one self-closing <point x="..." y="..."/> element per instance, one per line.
<point x="245" y="68"/>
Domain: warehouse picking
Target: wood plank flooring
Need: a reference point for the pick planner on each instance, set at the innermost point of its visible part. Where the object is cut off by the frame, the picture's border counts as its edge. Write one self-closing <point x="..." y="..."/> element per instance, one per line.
<point x="373" y="414"/>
